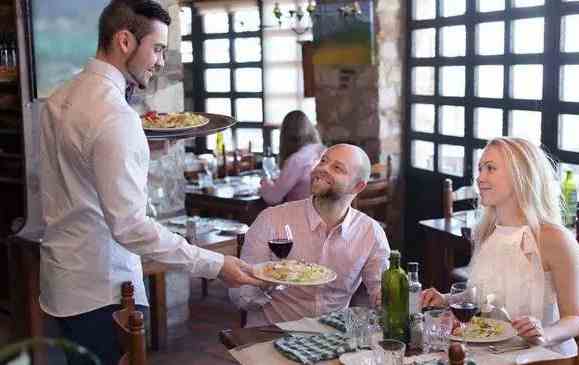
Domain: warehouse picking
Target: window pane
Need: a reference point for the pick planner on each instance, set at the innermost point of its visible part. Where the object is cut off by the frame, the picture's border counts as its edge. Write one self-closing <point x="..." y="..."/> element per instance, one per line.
<point x="569" y="31"/>
<point x="569" y="82"/>
<point x="489" y="81"/>
<point x="185" y="20"/>
<point x="218" y="106"/>
<point x="247" y="50"/>
<point x="568" y="132"/>
<point x="490" y="38"/>
<point x="451" y="159"/>
<point x="275" y="141"/>
<point x="246" y="20"/>
<point x="527" y="3"/>
<point x="526" y="124"/>
<point x="488" y="123"/>
<point x="522" y="41"/>
<point x="490" y="5"/>
<point x="186" y="51"/>
<point x="255" y="135"/>
<point x="452" y="80"/>
<point x="453" y="7"/>
<point x="453" y="41"/>
<point x="248" y="80"/>
<point x="423" y="155"/>
<point x="216" y="50"/>
<point x="216" y="23"/>
<point x="423" y="42"/>
<point x="249" y="110"/>
<point x="281" y="48"/>
<point x="278" y="107"/>
<point x="423" y="118"/>
<point x="423" y="80"/>
<point x="424" y="9"/>
<point x="527" y="82"/>
<point x="217" y="80"/>
<point x="451" y="120"/>
<point x="227" y="140"/>
<point x="282" y="80"/>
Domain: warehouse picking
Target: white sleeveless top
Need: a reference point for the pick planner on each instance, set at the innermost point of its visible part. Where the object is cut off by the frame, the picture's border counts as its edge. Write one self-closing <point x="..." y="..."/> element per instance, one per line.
<point x="508" y="265"/>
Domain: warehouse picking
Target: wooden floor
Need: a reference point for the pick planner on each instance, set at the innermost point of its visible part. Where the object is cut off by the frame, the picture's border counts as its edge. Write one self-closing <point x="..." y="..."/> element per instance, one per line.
<point x="196" y="341"/>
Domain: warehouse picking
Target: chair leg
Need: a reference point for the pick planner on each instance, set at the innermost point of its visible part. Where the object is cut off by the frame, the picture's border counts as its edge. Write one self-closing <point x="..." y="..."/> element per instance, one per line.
<point x="204" y="288"/>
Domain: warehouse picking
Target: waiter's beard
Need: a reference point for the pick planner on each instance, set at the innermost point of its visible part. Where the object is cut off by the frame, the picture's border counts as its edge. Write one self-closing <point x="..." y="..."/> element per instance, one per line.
<point x="139" y="81"/>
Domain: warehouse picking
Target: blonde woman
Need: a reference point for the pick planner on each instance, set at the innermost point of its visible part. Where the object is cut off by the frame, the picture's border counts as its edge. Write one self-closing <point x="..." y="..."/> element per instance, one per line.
<point x="524" y="257"/>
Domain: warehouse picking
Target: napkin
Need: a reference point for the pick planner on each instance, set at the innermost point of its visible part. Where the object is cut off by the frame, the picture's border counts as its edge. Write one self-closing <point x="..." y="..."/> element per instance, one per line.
<point x="334" y="319"/>
<point x="312" y="349"/>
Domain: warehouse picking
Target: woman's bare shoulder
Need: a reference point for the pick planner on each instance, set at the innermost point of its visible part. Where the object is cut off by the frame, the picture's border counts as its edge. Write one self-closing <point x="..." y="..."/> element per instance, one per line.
<point x="557" y="242"/>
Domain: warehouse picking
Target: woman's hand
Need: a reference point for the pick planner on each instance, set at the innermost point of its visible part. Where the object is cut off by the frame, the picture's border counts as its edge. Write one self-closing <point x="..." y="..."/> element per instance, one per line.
<point x="432" y="297"/>
<point x="530" y="329"/>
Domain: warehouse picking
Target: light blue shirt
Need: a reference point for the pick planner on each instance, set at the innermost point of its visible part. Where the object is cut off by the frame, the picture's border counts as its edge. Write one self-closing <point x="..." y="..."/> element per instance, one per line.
<point x="94" y="166"/>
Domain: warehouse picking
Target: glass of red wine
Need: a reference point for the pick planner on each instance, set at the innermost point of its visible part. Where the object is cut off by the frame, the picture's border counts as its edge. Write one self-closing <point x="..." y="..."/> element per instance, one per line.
<point x="282" y="242"/>
<point x="464" y="305"/>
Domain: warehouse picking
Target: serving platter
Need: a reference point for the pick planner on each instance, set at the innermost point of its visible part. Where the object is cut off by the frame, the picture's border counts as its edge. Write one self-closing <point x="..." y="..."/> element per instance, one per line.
<point x="217" y="123"/>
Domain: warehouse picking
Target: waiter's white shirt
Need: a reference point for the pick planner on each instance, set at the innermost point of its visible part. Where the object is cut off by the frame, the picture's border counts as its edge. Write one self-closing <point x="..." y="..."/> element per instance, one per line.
<point x="94" y="165"/>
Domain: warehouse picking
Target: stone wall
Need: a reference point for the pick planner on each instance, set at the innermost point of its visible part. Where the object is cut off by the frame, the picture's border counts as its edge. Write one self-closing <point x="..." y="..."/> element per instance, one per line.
<point x="363" y="104"/>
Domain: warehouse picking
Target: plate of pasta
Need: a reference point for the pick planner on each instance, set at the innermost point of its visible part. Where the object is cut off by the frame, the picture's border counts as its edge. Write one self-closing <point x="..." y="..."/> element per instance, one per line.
<point x="172" y="122"/>
<point x="482" y="330"/>
<point x="294" y="272"/>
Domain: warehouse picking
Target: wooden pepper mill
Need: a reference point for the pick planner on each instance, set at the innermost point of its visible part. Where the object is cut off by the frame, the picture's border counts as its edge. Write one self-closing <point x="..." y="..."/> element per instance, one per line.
<point x="456" y="354"/>
<point x="447" y="199"/>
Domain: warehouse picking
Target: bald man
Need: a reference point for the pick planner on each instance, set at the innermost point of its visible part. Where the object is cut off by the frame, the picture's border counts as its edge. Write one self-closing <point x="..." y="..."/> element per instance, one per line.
<point x="327" y="231"/>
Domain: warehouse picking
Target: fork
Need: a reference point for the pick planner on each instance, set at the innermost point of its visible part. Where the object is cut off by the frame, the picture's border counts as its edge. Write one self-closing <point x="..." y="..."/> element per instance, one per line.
<point x="507" y="348"/>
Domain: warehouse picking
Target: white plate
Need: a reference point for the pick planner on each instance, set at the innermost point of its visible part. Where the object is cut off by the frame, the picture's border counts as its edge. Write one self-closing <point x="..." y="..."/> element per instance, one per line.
<point x="508" y="333"/>
<point x="168" y="130"/>
<point x="356" y="358"/>
<point x="259" y="268"/>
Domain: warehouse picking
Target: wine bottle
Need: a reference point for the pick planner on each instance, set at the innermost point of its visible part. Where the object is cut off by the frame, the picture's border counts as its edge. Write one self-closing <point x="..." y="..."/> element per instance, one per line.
<point x="395" y="300"/>
<point x="569" y="190"/>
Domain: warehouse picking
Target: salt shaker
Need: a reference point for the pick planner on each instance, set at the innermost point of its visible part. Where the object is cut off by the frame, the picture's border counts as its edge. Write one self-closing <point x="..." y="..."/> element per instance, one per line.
<point x="416" y="330"/>
<point x="191" y="230"/>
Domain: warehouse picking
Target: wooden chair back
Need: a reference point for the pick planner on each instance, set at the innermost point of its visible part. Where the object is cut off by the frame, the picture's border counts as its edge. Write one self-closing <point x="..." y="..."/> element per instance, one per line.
<point x="130" y="329"/>
<point x="242" y="312"/>
<point x="374" y="199"/>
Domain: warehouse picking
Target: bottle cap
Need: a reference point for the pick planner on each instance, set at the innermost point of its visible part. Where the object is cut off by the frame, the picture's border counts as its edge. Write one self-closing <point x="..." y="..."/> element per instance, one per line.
<point x="413" y="267"/>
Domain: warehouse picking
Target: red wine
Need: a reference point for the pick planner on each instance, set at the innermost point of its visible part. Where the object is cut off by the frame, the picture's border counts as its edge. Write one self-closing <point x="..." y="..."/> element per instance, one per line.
<point x="281" y="247"/>
<point x="464" y="311"/>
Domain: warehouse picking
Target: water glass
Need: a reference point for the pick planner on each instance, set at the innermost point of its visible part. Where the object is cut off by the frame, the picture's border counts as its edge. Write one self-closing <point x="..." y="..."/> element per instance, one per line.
<point x="437" y="329"/>
<point x="393" y="352"/>
<point x="356" y="320"/>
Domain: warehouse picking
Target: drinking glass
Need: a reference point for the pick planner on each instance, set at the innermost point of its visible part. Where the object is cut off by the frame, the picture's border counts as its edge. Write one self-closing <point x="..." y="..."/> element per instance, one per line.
<point x="464" y="304"/>
<point x="394" y="351"/>
<point x="437" y="329"/>
<point x="281" y="243"/>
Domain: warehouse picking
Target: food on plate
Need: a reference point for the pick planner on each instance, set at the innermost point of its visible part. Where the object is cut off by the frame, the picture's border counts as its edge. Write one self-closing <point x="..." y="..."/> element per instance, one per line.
<point x="294" y="271"/>
<point x="481" y="328"/>
<point x="173" y="120"/>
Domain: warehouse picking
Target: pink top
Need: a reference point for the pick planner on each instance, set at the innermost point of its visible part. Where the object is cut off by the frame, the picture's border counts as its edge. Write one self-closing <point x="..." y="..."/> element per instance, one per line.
<point x="293" y="182"/>
<point x="357" y="250"/>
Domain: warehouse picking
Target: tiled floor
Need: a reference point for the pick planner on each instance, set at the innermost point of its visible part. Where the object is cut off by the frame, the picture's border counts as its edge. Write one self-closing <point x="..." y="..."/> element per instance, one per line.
<point x="196" y="341"/>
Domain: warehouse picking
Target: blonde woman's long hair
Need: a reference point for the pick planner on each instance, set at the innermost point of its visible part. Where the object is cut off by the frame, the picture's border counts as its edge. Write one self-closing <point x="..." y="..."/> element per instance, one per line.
<point x="535" y="184"/>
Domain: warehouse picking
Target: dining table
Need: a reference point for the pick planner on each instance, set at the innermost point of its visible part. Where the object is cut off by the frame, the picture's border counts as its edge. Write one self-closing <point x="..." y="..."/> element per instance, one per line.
<point x="245" y="345"/>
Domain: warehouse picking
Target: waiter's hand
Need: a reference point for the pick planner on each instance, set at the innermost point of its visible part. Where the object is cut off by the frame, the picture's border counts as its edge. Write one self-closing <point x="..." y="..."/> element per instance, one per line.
<point x="236" y="272"/>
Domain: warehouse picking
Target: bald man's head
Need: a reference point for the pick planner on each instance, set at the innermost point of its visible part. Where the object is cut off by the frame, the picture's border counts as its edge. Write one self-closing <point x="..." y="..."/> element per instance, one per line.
<point x="363" y="166"/>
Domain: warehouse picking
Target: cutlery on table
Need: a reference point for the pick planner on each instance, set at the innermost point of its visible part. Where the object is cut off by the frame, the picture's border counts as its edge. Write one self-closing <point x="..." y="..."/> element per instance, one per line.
<point x="499" y="349"/>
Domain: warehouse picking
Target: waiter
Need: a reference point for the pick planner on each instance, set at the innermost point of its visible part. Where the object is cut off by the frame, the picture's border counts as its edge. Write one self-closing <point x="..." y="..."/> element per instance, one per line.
<point x="94" y="165"/>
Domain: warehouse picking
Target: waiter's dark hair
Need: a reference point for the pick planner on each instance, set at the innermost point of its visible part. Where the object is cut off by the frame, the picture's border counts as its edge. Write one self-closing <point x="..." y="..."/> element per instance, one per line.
<point x="132" y="15"/>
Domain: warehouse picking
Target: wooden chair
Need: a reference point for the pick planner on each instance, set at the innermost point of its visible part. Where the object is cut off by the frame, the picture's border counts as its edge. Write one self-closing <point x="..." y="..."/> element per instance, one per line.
<point x="130" y="329"/>
<point x="242" y="312"/>
<point x="374" y="199"/>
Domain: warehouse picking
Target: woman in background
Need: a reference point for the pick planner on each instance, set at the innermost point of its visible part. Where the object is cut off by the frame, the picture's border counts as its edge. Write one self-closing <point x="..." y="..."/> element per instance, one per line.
<point x="299" y="151"/>
<point x="524" y="257"/>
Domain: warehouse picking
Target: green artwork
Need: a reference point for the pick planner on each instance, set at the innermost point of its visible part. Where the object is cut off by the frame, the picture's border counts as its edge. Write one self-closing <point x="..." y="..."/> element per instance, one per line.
<point x="65" y="36"/>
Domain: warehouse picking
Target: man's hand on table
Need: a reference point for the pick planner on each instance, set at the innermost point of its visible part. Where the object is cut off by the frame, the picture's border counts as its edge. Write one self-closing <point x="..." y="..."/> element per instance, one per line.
<point x="236" y="272"/>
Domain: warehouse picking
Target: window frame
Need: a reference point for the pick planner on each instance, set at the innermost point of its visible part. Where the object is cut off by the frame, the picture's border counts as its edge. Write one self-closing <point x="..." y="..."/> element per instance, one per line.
<point x="551" y="59"/>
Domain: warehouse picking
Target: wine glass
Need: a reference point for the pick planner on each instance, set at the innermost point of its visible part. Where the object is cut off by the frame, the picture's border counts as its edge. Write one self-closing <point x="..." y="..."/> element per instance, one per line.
<point x="463" y="304"/>
<point x="281" y="243"/>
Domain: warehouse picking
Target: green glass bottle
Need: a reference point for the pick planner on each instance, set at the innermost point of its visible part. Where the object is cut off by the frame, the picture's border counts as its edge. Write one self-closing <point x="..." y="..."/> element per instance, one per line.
<point x="395" y="291"/>
<point x="569" y="190"/>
